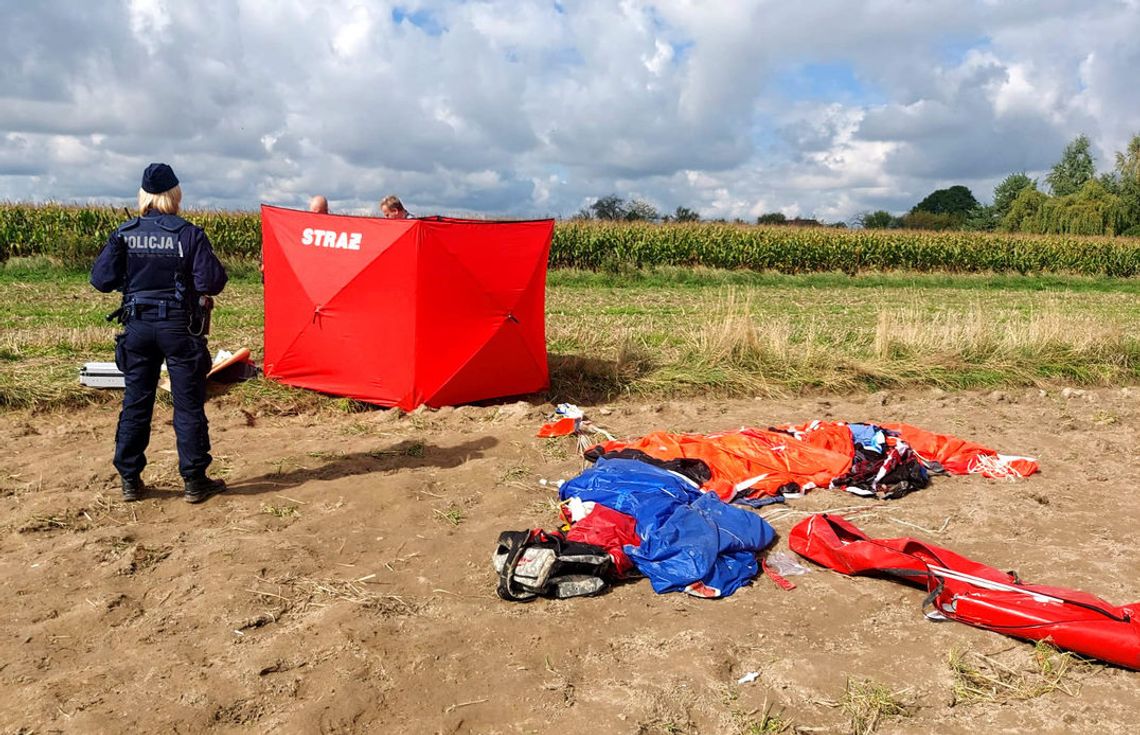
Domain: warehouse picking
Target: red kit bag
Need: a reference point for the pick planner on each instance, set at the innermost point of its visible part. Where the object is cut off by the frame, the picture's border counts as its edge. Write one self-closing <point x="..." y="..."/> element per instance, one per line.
<point x="970" y="592"/>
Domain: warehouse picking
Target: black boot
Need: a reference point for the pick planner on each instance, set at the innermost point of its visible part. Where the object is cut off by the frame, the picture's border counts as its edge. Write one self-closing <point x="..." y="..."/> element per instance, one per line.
<point x="133" y="489"/>
<point x="198" y="489"/>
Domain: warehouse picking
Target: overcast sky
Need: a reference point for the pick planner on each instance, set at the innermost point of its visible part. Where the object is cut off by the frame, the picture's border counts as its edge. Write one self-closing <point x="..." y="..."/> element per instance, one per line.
<point x="733" y="108"/>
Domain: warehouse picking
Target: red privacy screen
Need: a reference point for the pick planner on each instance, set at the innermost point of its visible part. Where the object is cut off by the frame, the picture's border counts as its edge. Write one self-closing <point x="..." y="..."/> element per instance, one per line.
<point x="405" y="312"/>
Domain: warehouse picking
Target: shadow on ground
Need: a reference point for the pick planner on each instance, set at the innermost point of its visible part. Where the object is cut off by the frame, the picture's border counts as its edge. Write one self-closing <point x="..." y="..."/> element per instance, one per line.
<point x="403" y="455"/>
<point x="588" y="380"/>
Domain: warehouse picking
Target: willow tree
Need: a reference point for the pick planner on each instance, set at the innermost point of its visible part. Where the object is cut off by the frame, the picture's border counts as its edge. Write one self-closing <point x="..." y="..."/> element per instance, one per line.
<point x="1093" y="210"/>
<point x="1023" y="211"/>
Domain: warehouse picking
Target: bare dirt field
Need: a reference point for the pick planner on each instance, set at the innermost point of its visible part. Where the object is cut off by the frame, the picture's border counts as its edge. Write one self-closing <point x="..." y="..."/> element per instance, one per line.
<point x="344" y="583"/>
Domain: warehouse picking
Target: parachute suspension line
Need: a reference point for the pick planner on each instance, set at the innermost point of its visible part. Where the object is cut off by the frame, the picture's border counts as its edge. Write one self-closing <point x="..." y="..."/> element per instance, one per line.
<point x="993" y="465"/>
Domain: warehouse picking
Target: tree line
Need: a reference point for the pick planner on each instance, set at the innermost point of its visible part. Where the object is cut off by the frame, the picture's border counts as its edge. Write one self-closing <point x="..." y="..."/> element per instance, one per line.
<point x="613" y="208"/>
<point x="1077" y="201"/>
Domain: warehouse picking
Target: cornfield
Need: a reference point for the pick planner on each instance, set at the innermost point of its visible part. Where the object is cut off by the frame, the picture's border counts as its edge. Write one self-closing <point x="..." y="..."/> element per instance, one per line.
<point x="74" y="235"/>
<point x="617" y="246"/>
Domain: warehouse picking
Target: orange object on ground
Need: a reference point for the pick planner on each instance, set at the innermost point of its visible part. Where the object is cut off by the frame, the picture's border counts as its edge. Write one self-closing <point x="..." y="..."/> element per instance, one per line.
<point x="746" y="463"/>
<point x="960" y="457"/>
<point x="753" y="462"/>
<point x="832" y="435"/>
<point x="561" y="427"/>
<point x="218" y="368"/>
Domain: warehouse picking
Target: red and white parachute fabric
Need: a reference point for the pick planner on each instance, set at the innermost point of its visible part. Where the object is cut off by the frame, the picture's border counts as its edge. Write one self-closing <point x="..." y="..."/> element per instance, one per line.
<point x="976" y="594"/>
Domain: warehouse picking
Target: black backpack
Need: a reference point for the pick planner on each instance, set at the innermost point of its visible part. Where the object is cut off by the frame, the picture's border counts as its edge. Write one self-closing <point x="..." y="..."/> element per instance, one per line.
<point x="543" y="563"/>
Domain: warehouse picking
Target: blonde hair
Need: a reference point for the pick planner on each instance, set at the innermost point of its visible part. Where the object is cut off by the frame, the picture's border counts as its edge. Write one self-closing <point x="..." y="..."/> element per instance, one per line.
<point x="166" y="202"/>
<point x="392" y="202"/>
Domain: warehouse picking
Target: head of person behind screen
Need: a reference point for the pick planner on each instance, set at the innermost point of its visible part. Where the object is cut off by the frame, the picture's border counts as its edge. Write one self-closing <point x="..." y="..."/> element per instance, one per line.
<point x="319" y="204"/>
<point x="160" y="191"/>
<point x="392" y="208"/>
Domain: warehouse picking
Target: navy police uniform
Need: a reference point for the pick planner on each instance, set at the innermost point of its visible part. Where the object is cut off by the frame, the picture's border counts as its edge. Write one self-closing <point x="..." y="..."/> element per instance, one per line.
<point x="162" y="264"/>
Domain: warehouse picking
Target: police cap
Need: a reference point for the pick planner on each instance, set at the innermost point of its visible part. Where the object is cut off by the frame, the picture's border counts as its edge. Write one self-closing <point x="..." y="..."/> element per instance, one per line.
<point x="158" y="178"/>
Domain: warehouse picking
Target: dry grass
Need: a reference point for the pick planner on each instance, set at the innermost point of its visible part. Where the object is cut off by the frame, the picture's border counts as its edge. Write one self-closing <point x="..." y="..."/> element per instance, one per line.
<point x="453" y="514"/>
<point x="296" y="594"/>
<point x="408" y="448"/>
<point x="868" y="703"/>
<point x="515" y="474"/>
<point x="41" y="523"/>
<point x="71" y="339"/>
<point x="102" y="511"/>
<point x="44" y="383"/>
<point x="740" y="343"/>
<point x="770" y="338"/>
<point x="770" y="722"/>
<point x="975" y="332"/>
<point x="979" y="677"/>
<point x="281" y="511"/>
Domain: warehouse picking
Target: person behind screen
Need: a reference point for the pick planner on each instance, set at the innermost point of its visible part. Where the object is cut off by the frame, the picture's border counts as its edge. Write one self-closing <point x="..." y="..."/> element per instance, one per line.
<point x="392" y="208"/>
<point x="319" y="204"/>
<point x="166" y="269"/>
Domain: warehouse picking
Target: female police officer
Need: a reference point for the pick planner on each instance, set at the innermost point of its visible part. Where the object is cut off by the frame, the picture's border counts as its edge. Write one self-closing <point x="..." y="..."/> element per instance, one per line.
<point x="163" y="265"/>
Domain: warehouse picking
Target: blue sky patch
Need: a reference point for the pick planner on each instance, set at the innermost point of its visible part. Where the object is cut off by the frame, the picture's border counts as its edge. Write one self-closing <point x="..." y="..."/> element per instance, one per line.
<point x="952" y="51"/>
<point x="565" y="56"/>
<point x="832" y="81"/>
<point x="422" y="19"/>
<point x="681" y="51"/>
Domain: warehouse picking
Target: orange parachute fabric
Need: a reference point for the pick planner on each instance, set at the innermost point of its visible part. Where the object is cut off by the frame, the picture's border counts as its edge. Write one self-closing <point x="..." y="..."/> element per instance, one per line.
<point x="960" y="457"/>
<point x="752" y="462"/>
<point x="749" y="462"/>
<point x="832" y="435"/>
<point x="561" y="427"/>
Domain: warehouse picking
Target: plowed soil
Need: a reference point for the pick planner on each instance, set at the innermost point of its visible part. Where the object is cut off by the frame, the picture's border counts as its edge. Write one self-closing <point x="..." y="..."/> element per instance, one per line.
<point x="343" y="583"/>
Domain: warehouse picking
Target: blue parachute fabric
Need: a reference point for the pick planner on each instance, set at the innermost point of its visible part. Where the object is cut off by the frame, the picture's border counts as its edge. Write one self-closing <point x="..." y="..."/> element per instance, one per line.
<point x="639" y="489"/>
<point x="686" y="536"/>
<point x="706" y="541"/>
<point x="868" y="436"/>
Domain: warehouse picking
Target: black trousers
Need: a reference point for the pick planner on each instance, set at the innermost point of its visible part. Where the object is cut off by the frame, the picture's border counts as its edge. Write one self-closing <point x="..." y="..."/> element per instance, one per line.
<point x="146" y="341"/>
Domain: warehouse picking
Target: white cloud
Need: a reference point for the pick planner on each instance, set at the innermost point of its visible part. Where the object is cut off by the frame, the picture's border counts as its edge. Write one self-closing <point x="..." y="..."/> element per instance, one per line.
<point x="149" y="22"/>
<point x="659" y="62"/>
<point x="351" y="39"/>
<point x="532" y="107"/>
